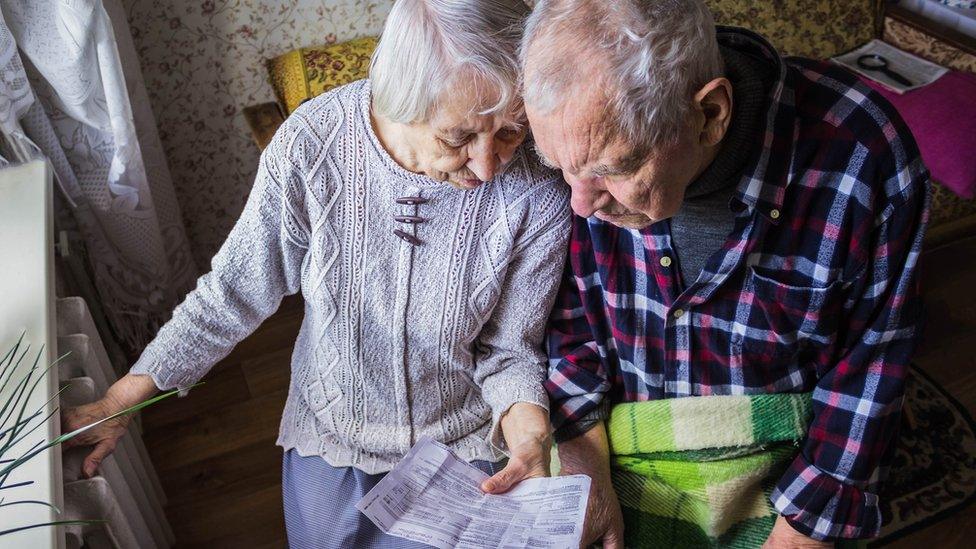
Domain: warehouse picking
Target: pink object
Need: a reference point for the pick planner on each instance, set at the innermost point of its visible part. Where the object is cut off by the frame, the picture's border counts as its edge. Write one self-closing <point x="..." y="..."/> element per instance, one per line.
<point x="942" y="116"/>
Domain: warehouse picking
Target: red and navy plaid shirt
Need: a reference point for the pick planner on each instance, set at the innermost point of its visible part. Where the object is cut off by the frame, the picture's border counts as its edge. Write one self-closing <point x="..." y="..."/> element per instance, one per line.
<point x="813" y="290"/>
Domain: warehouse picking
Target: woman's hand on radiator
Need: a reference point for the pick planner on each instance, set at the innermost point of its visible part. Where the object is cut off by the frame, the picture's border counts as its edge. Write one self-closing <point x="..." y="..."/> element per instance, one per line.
<point x="126" y="392"/>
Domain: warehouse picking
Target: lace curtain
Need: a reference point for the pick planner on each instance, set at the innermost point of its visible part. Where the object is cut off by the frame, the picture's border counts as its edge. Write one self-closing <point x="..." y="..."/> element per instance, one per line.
<point x="71" y="90"/>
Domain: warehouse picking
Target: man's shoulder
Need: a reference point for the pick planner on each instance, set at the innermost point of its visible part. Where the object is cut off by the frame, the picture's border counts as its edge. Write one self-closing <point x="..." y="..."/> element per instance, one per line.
<point x="829" y="96"/>
<point x="854" y="138"/>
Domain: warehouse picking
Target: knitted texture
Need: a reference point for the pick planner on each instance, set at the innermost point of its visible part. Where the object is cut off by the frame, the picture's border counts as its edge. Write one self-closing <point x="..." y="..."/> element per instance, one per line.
<point x="698" y="471"/>
<point x="400" y="339"/>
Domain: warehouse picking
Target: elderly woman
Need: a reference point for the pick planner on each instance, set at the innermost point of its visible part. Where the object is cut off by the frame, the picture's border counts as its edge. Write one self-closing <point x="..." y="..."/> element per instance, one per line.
<point x="427" y="245"/>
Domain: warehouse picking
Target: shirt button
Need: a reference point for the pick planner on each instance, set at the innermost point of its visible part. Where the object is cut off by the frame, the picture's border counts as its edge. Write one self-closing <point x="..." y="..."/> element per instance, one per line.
<point x="665" y="261"/>
<point x="774" y="214"/>
<point x="678" y="313"/>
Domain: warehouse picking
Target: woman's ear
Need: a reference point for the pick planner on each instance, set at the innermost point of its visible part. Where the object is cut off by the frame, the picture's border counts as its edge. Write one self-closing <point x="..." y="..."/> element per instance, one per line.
<point x="714" y="103"/>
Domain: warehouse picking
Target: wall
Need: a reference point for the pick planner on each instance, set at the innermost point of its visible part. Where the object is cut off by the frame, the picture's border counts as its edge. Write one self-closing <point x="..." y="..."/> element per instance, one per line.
<point x="203" y="63"/>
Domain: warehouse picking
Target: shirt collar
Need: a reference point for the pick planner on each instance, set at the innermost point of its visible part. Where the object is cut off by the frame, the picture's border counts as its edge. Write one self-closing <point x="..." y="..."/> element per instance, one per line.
<point x="764" y="180"/>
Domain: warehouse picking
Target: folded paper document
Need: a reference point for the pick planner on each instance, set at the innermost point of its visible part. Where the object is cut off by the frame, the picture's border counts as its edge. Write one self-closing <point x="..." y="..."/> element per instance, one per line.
<point x="434" y="497"/>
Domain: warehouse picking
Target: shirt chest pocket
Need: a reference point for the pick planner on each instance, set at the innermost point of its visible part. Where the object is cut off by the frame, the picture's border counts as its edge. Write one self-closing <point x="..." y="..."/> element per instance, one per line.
<point x="784" y="318"/>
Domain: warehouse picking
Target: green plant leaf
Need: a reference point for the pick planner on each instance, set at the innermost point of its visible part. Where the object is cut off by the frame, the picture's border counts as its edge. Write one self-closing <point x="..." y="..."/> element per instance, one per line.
<point x="80" y="430"/>
<point x="30" y="502"/>
<point x="53" y="523"/>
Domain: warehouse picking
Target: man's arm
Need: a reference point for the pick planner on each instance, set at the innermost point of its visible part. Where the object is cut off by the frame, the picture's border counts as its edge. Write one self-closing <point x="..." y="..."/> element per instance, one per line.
<point x="577" y="385"/>
<point x="578" y="376"/>
<point x="589" y="454"/>
<point x="830" y="490"/>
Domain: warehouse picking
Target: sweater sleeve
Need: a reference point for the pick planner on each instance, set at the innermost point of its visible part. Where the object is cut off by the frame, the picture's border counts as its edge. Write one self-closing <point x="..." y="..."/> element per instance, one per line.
<point x="258" y="264"/>
<point x="511" y="363"/>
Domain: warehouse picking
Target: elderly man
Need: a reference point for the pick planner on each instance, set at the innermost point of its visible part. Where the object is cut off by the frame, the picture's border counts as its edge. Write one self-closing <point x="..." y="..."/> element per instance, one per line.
<point x="728" y="350"/>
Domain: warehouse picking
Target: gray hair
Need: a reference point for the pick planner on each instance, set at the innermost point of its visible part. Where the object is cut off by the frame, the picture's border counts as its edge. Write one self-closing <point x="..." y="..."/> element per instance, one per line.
<point x="651" y="55"/>
<point x="427" y="44"/>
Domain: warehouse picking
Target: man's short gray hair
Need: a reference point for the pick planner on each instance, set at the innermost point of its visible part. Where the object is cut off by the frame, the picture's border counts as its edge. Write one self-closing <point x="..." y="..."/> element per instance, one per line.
<point x="651" y="55"/>
<point x="427" y="45"/>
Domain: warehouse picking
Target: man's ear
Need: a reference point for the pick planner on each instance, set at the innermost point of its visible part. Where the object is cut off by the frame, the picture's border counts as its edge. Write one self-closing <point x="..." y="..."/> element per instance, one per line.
<point x="714" y="105"/>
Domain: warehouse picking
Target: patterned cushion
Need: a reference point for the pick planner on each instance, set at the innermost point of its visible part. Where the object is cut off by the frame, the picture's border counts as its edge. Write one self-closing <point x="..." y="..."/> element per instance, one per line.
<point x="802" y="27"/>
<point x="307" y="72"/>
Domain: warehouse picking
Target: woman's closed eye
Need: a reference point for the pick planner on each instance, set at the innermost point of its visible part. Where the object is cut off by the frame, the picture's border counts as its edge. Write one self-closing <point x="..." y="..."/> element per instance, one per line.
<point x="455" y="142"/>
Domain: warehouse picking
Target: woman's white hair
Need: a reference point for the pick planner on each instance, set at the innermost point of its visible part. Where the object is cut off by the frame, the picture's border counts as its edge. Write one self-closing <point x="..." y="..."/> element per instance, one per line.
<point x="651" y="56"/>
<point x="428" y="46"/>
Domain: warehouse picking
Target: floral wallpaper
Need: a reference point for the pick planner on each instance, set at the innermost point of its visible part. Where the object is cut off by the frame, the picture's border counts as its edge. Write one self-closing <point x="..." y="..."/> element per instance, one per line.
<point x="203" y="62"/>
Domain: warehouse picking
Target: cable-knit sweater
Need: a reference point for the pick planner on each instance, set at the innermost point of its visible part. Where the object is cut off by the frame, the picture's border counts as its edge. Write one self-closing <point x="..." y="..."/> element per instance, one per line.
<point x="434" y="331"/>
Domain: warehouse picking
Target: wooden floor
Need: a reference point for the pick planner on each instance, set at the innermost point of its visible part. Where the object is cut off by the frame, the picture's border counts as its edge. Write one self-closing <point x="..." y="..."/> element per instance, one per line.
<point x="215" y="453"/>
<point x="215" y="449"/>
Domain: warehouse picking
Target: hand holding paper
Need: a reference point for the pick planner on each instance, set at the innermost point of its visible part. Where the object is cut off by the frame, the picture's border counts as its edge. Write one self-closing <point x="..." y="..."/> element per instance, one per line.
<point x="434" y="497"/>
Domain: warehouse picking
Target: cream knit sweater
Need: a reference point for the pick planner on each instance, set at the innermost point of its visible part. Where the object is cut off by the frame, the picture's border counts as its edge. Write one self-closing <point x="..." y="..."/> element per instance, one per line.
<point x="436" y="331"/>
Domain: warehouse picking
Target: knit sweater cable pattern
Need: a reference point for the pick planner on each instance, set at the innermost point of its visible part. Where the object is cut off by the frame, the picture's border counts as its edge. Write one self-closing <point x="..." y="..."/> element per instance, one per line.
<point x="436" y="337"/>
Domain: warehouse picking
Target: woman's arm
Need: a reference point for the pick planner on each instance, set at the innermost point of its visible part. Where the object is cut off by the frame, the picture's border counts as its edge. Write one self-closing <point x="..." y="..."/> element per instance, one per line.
<point x="511" y="362"/>
<point x="256" y="267"/>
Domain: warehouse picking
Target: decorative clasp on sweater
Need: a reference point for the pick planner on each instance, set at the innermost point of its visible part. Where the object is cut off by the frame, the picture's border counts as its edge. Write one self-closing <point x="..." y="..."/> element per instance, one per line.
<point x="407" y="237"/>
<point x="411" y="219"/>
<point x="411" y="200"/>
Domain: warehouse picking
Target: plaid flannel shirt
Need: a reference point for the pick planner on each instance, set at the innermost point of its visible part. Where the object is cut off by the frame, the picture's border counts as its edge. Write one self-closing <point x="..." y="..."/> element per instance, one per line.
<point x="813" y="290"/>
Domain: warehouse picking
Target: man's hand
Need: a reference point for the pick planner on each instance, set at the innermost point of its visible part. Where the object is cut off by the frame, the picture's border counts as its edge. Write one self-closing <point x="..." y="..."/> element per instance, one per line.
<point x="784" y="536"/>
<point x="525" y="427"/>
<point x="589" y="454"/>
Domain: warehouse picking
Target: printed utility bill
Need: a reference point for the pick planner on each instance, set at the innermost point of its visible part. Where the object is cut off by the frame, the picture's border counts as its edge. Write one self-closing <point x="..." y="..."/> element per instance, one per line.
<point x="432" y="496"/>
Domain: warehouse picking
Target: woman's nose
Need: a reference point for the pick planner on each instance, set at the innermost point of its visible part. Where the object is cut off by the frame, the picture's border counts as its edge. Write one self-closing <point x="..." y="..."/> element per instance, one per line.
<point x="484" y="160"/>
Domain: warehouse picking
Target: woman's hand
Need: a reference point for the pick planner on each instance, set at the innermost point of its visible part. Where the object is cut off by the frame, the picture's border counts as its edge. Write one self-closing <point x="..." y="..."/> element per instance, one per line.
<point x="526" y="430"/>
<point x="126" y="392"/>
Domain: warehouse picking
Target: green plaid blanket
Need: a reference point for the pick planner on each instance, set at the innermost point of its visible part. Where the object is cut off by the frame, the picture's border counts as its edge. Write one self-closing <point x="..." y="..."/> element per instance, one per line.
<point x="698" y="471"/>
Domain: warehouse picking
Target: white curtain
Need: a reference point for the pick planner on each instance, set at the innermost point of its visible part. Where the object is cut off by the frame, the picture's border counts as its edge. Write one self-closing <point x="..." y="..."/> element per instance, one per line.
<point x="71" y="90"/>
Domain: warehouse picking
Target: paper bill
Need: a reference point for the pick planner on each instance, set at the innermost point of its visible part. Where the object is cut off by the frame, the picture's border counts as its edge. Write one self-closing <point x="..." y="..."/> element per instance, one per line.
<point x="432" y="496"/>
<point x="915" y="70"/>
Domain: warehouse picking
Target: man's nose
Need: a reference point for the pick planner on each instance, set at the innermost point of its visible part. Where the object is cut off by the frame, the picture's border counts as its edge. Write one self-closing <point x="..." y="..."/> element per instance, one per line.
<point x="484" y="160"/>
<point x="585" y="198"/>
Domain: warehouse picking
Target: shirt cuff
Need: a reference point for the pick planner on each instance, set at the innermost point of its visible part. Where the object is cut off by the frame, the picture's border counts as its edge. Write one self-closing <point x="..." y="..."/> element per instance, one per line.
<point x="821" y="507"/>
<point x="570" y="430"/>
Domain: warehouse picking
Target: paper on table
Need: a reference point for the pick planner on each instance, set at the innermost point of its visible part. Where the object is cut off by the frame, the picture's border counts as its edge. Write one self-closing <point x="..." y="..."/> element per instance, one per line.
<point x="432" y="496"/>
<point x="918" y="71"/>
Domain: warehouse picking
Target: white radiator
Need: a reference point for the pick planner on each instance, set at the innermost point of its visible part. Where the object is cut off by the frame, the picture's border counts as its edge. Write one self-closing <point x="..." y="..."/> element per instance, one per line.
<point x="126" y="493"/>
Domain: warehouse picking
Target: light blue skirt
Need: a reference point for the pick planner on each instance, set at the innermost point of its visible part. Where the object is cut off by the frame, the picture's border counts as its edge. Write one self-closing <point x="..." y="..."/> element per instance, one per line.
<point x="320" y="505"/>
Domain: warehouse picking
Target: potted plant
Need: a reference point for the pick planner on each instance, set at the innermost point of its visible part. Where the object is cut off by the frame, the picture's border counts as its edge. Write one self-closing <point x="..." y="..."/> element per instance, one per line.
<point x="17" y="423"/>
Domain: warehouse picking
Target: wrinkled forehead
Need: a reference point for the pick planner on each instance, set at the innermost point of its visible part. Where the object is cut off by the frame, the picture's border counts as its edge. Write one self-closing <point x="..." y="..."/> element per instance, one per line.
<point x="577" y="132"/>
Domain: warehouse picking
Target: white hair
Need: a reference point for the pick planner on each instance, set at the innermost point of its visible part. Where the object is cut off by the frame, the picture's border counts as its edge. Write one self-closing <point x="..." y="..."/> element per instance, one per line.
<point x="650" y="55"/>
<point x="428" y="45"/>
